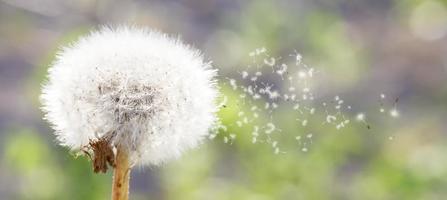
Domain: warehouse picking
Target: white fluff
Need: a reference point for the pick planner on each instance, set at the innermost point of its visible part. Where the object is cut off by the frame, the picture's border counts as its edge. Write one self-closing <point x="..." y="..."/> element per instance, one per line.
<point x="156" y="94"/>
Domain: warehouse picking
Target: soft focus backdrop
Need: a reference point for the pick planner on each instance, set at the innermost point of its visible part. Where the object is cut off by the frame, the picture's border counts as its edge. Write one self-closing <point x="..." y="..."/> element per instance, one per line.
<point x="366" y="46"/>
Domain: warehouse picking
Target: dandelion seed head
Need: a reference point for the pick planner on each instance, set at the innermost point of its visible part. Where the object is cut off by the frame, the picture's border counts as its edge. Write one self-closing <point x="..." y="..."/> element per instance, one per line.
<point x="141" y="89"/>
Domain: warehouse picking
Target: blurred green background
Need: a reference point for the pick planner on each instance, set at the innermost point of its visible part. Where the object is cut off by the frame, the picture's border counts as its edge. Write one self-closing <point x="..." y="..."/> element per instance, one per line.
<point x="366" y="46"/>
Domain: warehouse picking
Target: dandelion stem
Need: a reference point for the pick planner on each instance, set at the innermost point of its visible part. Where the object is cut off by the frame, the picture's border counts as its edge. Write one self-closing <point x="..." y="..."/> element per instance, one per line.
<point x="121" y="175"/>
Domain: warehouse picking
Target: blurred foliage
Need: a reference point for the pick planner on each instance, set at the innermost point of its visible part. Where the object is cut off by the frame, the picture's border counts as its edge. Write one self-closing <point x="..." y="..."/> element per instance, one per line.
<point x="42" y="172"/>
<point x="397" y="160"/>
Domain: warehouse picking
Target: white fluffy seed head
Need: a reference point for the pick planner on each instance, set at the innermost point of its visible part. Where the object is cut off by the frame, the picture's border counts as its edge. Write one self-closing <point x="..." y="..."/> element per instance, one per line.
<point x="146" y="91"/>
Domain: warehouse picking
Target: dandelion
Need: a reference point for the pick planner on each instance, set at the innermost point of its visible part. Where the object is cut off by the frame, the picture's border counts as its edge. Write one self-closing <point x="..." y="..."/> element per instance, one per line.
<point x="129" y="96"/>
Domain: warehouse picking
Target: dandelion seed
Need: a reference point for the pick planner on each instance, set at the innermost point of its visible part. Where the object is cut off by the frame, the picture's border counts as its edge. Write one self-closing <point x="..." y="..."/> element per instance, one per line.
<point x="298" y="58"/>
<point x="253" y="140"/>
<point x="382" y="110"/>
<point x="244" y="74"/>
<point x="330" y="118"/>
<point x="260" y="50"/>
<point x="212" y="136"/>
<point x="249" y="90"/>
<point x="293" y="97"/>
<point x="302" y="74"/>
<point x="255" y="130"/>
<point x="245" y="120"/>
<point x="270" y="61"/>
<point x="270" y="128"/>
<point x="394" y="113"/>
<point x="310" y="72"/>
<point x="226" y="140"/>
<point x="309" y="135"/>
<point x="267" y="106"/>
<point x="295" y="93"/>
<point x="304" y="122"/>
<point x="233" y="84"/>
<point x="273" y="95"/>
<point x="282" y="70"/>
<point x="277" y="150"/>
<point x="360" y="117"/>
<point x="223" y="102"/>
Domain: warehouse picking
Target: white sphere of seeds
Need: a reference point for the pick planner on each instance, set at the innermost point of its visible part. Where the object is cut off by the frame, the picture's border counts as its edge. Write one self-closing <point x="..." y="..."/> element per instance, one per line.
<point x="141" y="89"/>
